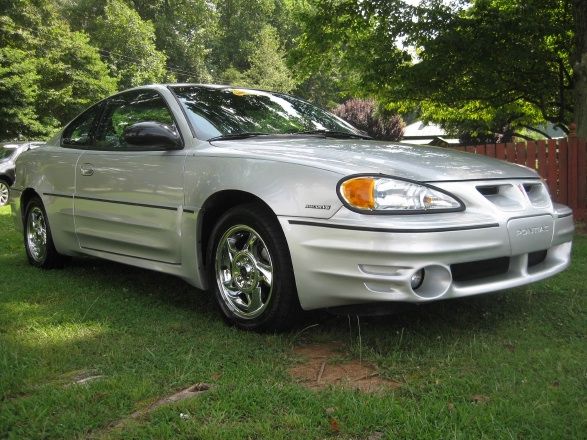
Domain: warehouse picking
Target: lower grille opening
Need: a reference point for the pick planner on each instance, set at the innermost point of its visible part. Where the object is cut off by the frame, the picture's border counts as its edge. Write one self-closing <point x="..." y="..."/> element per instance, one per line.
<point x="475" y="270"/>
<point x="535" y="258"/>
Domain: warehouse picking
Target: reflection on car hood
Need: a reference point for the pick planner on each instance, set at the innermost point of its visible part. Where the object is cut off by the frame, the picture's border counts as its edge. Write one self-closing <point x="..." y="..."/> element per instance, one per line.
<point x="366" y="156"/>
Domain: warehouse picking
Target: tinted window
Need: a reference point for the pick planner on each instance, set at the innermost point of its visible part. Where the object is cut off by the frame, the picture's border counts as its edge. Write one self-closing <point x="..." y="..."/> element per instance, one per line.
<point x="81" y="130"/>
<point x="127" y="109"/>
<point x="215" y="112"/>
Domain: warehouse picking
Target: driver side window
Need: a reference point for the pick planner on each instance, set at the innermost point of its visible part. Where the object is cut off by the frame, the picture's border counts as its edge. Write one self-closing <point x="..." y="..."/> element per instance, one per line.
<point x="127" y="109"/>
<point x="78" y="133"/>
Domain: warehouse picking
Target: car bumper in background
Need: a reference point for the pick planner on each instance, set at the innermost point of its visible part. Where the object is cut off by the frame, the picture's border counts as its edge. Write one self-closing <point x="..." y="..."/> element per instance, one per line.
<point x="339" y="262"/>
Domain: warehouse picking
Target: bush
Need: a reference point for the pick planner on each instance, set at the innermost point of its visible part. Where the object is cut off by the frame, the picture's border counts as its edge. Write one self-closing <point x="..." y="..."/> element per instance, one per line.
<point x="363" y="114"/>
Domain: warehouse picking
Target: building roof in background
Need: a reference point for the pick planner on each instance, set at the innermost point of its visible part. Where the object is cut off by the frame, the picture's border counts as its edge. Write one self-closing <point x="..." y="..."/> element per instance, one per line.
<point x="551" y="130"/>
<point x="420" y="130"/>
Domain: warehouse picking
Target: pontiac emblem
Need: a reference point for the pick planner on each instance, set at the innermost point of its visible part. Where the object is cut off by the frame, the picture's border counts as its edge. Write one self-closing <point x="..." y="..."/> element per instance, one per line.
<point x="523" y="232"/>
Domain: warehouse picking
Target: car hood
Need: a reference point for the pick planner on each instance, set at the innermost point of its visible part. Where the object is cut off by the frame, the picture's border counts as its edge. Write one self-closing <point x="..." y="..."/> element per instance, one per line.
<point x="416" y="162"/>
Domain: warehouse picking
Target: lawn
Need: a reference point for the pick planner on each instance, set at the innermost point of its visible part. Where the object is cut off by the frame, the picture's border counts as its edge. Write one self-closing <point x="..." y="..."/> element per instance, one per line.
<point x="509" y="365"/>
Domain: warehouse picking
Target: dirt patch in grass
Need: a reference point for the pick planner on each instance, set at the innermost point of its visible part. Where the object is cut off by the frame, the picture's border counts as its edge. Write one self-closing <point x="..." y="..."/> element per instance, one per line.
<point x="322" y="366"/>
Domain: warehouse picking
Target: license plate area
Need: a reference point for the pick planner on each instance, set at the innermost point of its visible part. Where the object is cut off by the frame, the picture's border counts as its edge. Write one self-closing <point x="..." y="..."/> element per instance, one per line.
<point x="530" y="234"/>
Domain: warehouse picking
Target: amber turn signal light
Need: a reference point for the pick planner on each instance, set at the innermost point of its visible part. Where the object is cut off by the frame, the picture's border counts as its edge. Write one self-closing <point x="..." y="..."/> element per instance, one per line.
<point x="359" y="192"/>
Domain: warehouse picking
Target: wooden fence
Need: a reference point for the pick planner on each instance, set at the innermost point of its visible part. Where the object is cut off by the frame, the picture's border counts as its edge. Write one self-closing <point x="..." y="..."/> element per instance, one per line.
<point x="561" y="162"/>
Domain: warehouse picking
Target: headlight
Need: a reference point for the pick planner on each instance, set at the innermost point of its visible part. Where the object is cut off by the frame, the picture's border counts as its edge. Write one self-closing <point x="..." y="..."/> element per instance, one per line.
<point x="395" y="196"/>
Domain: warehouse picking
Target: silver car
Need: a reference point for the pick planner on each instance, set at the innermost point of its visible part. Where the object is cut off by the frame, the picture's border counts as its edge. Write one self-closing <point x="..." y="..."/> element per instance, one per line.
<point x="8" y="155"/>
<point x="277" y="206"/>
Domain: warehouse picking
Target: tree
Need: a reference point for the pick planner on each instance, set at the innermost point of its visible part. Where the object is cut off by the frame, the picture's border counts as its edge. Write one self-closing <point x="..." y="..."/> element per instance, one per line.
<point x="48" y="73"/>
<point x="18" y="92"/>
<point x="186" y="31"/>
<point x="268" y="69"/>
<point x="458" y="62"/>
<point x="127" y="42"/>
<point x="579" y="63"/>
<point x="239" y="23"/>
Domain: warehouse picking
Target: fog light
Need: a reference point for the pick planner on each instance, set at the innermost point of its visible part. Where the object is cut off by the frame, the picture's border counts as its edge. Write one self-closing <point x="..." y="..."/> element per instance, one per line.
<point x="417" y="279"/>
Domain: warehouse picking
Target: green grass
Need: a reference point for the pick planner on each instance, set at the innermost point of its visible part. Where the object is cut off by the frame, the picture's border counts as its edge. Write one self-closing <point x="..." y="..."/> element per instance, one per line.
<point x="151" y="335"/>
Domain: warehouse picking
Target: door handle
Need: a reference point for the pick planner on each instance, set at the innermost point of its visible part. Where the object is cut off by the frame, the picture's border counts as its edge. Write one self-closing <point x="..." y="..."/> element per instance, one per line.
<point x="87" y="169"/>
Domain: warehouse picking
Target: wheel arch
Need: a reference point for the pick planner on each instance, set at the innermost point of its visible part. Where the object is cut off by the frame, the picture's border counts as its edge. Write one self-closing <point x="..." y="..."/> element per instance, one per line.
<point x="214" y="207"/>
<point x="7" y="179"/>
<point x="25" y="198"/>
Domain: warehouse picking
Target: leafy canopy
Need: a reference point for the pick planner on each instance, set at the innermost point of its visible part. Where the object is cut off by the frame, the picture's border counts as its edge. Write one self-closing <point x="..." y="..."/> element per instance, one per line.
<point x="485" y="64"/>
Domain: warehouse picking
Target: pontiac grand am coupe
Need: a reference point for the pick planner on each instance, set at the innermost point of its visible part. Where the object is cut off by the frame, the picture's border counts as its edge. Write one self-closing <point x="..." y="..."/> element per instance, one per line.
<point x="278" y="206"/>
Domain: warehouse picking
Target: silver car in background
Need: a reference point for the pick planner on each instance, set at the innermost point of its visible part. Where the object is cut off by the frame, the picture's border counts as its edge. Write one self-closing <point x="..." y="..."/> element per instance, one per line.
<point x="277" y="206"/>
<point x="8" y="155"/>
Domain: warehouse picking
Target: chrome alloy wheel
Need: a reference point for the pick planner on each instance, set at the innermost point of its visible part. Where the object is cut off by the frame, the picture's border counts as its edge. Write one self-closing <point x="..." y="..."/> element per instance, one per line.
<point x="3" y="193"/>
<point x="244" y="272"/>
<point x="36" y="234"/>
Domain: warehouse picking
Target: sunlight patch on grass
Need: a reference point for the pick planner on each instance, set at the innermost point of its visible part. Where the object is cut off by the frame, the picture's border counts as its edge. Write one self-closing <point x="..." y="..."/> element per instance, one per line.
<point x="42" y="335"/>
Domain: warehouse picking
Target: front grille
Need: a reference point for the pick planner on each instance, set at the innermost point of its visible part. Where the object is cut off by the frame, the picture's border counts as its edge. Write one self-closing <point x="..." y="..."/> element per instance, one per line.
<point x="488" y="190"/>
<point x="510" y="196"/>
<point x="535" y="258"/>
<point x="475" y="270"/>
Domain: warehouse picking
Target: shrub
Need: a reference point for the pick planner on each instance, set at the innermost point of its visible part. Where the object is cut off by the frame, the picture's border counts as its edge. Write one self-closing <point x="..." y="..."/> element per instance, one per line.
<point x="364" y="115"/>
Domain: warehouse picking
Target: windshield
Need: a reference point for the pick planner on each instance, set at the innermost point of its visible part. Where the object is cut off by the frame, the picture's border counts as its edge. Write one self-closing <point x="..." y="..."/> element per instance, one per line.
<point x="5" y="153"/>
<point x="216" y="112"/>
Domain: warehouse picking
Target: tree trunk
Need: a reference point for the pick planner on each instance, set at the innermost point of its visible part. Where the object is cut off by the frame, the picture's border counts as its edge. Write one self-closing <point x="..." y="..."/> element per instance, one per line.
<point x="580" y="66"/>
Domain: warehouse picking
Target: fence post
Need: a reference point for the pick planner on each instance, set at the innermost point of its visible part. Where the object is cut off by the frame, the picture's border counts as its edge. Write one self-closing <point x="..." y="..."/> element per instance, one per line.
<point x="573" y="168"/>
<point x="577" y="174"/>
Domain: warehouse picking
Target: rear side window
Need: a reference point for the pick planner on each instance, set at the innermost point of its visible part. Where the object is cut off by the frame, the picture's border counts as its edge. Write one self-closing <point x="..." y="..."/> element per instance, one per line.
<point x="80" y="132"/>
<point x="127" y="109"/>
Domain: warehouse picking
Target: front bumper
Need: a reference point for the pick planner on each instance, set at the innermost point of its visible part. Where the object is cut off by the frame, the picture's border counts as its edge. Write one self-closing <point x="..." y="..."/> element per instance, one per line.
<point x="341" y="262"/>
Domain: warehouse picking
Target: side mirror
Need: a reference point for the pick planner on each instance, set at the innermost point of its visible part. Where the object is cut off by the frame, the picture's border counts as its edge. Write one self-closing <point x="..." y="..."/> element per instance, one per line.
<point x="151" y="134"/>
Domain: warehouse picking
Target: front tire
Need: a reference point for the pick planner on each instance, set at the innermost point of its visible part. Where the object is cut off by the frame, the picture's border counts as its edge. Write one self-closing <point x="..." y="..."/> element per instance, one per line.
<point x="38" y="241"/>
<point x="250" y="270"/>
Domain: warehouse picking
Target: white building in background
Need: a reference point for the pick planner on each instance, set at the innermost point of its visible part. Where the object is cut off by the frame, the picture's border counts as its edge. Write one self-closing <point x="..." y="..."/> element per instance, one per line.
<point x="427" y="134"/>
<point x="432" y="134"/>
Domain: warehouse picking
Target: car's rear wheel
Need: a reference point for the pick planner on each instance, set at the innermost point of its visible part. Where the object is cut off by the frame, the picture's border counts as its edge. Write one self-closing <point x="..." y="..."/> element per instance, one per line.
<point x="4" y="192"/>
<point x="38" y="240"/>
<point x="250" y="270"/>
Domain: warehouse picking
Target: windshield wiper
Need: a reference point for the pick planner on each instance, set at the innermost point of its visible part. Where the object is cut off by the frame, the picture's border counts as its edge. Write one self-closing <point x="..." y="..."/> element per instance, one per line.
<point x="245" y="135"/>
<point x="334" y="134"/>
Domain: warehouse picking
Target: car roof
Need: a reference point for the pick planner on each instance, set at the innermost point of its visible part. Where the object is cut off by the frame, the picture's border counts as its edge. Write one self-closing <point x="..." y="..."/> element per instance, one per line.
<point x="163" y="86"/>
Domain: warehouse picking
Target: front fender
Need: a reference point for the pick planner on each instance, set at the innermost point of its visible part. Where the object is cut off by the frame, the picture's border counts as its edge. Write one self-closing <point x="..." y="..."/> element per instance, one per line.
<point x="288" y="189"/>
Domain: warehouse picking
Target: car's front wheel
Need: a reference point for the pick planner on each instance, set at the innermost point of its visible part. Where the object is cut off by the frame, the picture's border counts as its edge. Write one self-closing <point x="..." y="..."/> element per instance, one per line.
<point x="4" y="192"/>
<point x="250" y="270"/>
<point x="38" y="240"/>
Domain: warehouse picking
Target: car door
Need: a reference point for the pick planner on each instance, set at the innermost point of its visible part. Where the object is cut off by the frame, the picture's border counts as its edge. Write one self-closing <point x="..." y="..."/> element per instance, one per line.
<point x="129" y="199"/>
<point x="55" y="165"/>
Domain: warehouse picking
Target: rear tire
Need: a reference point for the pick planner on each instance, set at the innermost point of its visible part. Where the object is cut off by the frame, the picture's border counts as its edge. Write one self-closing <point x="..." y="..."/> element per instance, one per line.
<point x="4" y="192"/>
<point x="250" y="270"/>
<point x="38" y="241"/>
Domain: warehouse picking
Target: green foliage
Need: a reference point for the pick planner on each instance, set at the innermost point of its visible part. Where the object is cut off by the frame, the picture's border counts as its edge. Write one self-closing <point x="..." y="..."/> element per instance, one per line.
<point x="239" y="24"/>
<point x="186" y="31"/>
<point x="486" y="64"/>
<point x="47" y="72"/>
<point x="128" y="43"/>
<point x="268" y="69"/>
<point x="72" y="76"/>
<point x="350" y="41"/>
<point x="18" y="91"/>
